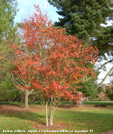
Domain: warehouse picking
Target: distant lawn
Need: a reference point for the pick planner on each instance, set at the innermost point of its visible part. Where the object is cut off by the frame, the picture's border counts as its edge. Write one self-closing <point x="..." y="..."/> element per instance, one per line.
<point x="65" y="103"/>
<point x="98" y="102"/>
<point x="15" y="117"/>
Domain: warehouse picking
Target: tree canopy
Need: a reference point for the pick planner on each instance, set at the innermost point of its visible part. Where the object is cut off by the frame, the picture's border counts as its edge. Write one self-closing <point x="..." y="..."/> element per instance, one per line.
<point x="45" y="62"/>
<point x="8" y="34"/>
<point x="7" y="14"/>
<point x="82" y="18"/>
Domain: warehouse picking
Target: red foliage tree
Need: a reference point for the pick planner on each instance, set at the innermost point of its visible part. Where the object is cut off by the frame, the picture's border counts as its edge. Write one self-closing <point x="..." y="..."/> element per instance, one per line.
<point x="50" y="61"/>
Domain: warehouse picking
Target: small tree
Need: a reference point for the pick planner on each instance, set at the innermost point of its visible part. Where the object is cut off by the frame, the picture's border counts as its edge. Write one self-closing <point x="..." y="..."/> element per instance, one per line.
<point x="109" y="92"/>
<point x="88" y="89"/>
<point x="45" y="61"/>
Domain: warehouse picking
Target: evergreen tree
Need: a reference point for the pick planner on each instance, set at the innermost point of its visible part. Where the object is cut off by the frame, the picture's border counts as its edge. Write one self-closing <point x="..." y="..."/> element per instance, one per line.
<point x="7" y="15"/>
<point x="104" y="41"/>
<point x="82" y="18"/>
<point x="88" y="89"/>
<point x="8" y="33"/>
<point x="7" y="90"/>
<point x="88" y="83"/>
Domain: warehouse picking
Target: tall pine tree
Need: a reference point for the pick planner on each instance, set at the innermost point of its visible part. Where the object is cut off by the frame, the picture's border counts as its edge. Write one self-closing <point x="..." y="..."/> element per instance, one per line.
<point x="82" y="18"/>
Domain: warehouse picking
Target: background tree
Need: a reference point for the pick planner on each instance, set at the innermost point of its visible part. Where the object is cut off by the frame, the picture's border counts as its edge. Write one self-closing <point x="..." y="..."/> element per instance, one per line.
<point x="83" y="18"/>
<point x="8" y="33"/>
<point x="7" y="28"/>
<point x="88" y="89"/>
<point x="88" y="85"/>
<point x="8" y="91"/>
<point x="45" y="61"/>
<point x="109" y="92"/>
<point x="104" y="43"/>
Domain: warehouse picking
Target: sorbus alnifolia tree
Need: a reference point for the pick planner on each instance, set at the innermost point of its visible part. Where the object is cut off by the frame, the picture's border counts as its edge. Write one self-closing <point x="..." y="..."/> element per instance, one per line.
<point x="50" y="62"/>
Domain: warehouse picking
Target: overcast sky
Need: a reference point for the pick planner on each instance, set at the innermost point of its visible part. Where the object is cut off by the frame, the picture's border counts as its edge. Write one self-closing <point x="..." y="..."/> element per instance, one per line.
<point x="26" y="8"/>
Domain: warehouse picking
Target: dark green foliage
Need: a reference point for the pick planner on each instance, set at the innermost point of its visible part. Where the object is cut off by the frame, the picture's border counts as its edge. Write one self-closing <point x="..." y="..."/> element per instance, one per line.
<point x="35" y="97"/>
<point x="7" y="90"/>
<point x="7" y="15"/>
<point x="88" y="89"/>
<point x="100" y="89"/>
<point x="8" y="34"/>
<point x="104" y="41"/>
<point x="82" y="18"/>
<point x="109" y="92"/>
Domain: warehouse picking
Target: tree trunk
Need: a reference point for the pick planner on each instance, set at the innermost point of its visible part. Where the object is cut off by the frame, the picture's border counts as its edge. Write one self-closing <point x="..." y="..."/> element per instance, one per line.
<point x="104" y="78"/>
<point x="8" y="101"/>
<point x="26" y="99"/>
<point x="47" y="114"/>
<point x="51" y="115"/>
<point x="99" y="69"/>
<point x="86" y="99"/>
<point x="80" y="102"/>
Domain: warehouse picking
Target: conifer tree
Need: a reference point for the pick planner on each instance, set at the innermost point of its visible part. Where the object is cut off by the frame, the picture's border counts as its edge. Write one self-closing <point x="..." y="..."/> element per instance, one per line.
<point x="104" y="41"/>
<point x="82" y="18"/>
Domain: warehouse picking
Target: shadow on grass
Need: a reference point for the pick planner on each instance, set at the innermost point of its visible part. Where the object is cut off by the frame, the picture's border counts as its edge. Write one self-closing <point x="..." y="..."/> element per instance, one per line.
<point x="98" y="121"/>
<point x="67" y="106"/>
<point x="20" y="112"/>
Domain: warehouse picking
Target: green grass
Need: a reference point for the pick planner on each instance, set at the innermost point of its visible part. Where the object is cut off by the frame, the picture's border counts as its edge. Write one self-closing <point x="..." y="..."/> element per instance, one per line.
<point x="98" y="102"/>
<point x="96" y="119"/>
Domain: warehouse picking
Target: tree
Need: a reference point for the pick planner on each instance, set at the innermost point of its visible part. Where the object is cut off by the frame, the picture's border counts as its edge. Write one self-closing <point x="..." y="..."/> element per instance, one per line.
<point x="8" y="33"/>
<point x="104" y="41"/>
<point x="7" y="14"/>
<point x="109" y="92"/>
<point x="88" y="85"/>
<point x="7" y="90"/>
<point x="88" y="89"/>
<point x="82" y="18"/>
<point x="22" y="83"/>
<point x="45" y="61"/>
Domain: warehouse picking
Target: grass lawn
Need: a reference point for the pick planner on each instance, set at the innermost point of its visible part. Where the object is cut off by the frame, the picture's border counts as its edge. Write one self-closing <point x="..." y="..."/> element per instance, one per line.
<point x="15" y="118"/>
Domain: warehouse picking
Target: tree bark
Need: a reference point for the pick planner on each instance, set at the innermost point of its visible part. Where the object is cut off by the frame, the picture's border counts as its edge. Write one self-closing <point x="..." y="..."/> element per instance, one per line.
<point x="99" y="69"/>
<point x="51" y="115"/>
<point x="104" y="78"/>
<point x="26" y="99"/>
<point x="47" y="114"/>
<point x="9" y="102"/>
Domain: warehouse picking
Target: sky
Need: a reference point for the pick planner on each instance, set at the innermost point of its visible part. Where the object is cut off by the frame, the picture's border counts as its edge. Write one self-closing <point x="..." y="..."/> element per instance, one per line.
<point x="26" y="8"/>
